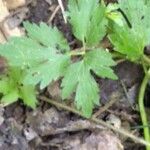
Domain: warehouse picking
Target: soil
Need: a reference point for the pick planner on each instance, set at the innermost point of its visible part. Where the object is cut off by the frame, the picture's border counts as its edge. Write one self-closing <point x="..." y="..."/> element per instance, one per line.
<point x="50" y="128"/>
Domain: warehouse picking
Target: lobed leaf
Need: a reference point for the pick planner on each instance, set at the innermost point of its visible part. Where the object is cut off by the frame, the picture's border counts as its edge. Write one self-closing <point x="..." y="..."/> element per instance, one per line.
<point x="12" y="89"/>
<point x="100" y="62"/>
<point x="47" y="36"/>
<point x="28" y="95"/>
<point x="40" y="54"/>
<point x="137" y="11"/>
<point x="44" y="73"/>
<point x="128" y="42"/>
<point x="78" y="78"/>
<point x="43" y="57"/>
<point x="131" y="38"/>
<point x="23" y="52"/>
<point x="87" y="18"/>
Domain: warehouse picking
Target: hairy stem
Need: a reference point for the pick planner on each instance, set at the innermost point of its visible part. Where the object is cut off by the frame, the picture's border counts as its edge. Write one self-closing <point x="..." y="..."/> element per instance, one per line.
<point x="97" y="121"/>
<point x="142" y="108"/>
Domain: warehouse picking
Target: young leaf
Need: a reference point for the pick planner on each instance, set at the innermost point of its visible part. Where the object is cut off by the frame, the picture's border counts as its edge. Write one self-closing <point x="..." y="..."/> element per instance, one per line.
<point x="9" y="91"/>
<point x="128" y="42"/>
<point x="100" y="62"/>
<point x="23" y="52"/>
<point x="46" y="72"/>
<point x="47" y="36"/>
<point x="78" y="78"/>
<point x="12" y="89"/>
<point x="45" y="62"/>
<point x="87" y="20"/>
<point x="28" y="95"/>
<point x="55" y="63"/>
<point x="113" y="15"/>
<point x="135" y="34"/>
<point x="137" y="11"/>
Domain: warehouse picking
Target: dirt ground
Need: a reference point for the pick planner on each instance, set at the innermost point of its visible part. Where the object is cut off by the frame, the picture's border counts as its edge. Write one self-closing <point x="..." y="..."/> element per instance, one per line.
<point x="51" y="128"/>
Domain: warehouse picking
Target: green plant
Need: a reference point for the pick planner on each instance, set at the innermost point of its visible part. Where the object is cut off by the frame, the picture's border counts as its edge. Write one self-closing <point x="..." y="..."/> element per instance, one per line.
<point x="129" y="39"/>
<point x="44" y="54"/>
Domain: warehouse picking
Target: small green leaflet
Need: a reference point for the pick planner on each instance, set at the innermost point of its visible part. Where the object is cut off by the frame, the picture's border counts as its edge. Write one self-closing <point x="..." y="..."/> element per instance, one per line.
<point x="100" y="62"/>
<point x="137" y="11"/>
<point x="132" y="40"/>
<point x="47" y="36"/>
<point x="12" y="89"/>
<point x="53" y="67"/>
<point x="48" y="71"/>
<point x="112" y="14"/>
<point x="127" y="41"/>
<point x="23" y="52"/>
<point x="138" y="14"/>
<point x="87" y="18"/>
<point x="78" y="78"/>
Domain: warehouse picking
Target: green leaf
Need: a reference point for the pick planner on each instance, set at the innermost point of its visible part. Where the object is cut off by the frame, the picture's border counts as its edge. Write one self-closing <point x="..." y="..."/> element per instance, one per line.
<point x="128" y="42"/>
<point x="43" y="57"/>
<point x="87" y="93"/>
<point x="27" y="94"/>
<point x="70" y="80"/>
<point x="9" y="91"/>
<point x="12" y="89"/>
<point x="23" y="52"/>
<point x="28" y="51"/>
<point x="78" y="78"/>
<point x="97" y="27"/>
<point x="10" y="98"/>
<point x="41" y="54"/>
<point x="100" y="62"/>
<point x="131" y="38"/>
<point x="47" y="36"/>
<point x="46" y="72"/>
<point x="87" y="18"/>
<point x="113" y="14"/>
<point x="137" y="12"/>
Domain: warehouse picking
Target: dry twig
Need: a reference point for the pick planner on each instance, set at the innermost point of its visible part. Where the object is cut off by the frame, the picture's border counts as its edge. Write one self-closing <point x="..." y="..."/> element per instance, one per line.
<point x="62" y="9"/>
<point x="97" y="121"/>
<point x="53" y="14"/>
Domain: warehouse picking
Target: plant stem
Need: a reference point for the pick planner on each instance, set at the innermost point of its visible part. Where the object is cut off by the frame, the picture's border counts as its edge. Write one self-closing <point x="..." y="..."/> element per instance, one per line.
<point x="78" y="52"/>
<point x="97" y="121"/>
<point x="142" y="108"/>
<point x="117" y="55"/>
<point x="146" y="60"/>
<point x="81" y="51"/>
<point x="106" y="106"/>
